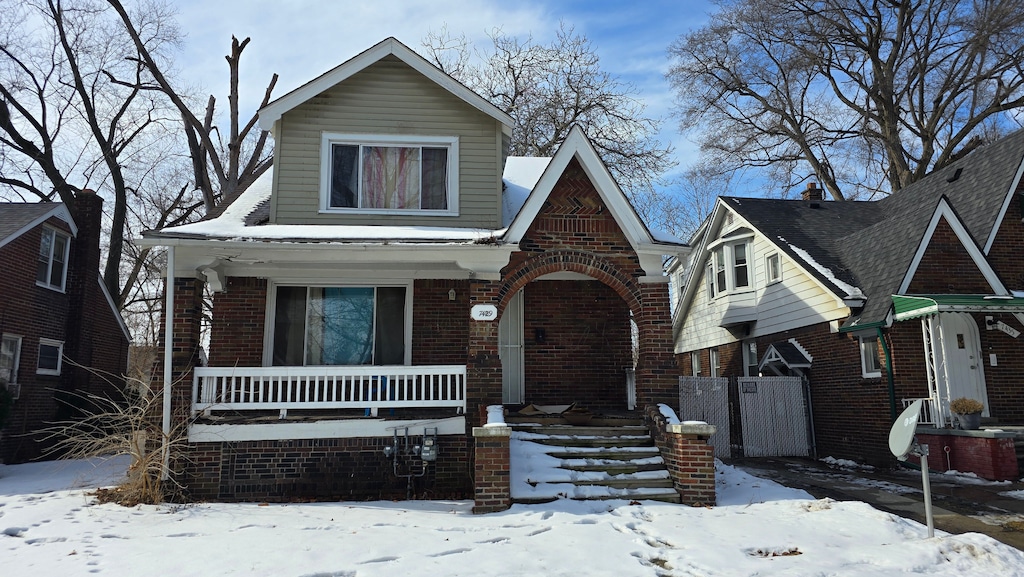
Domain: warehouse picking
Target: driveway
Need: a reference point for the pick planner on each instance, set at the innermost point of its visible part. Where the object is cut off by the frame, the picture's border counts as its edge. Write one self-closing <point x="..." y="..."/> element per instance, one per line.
<point x="960" y="503"/>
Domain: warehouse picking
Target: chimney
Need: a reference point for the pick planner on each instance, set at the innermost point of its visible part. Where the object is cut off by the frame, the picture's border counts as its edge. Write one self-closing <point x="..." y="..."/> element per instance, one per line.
<point x="813" y="192"/>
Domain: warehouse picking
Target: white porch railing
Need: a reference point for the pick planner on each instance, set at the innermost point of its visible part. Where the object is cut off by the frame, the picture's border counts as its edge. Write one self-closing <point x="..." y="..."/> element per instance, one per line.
<point x="328" y="387"/>
<point x="928" y="411"/>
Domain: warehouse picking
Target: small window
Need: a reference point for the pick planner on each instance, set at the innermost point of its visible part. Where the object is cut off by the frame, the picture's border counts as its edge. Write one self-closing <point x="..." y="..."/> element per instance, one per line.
<point x="695" y="363"/>
<point x="50" y="353"/>
<point x="10" y="355"/>
<point x="773" y="268"/>
<point x="51" y="268"/>
<point x="750" y="359"/>
<point x="740" y="270"/>
<point x="716" y="369"/>
<point x="871" y="365"/>
<point x="390" y="175"/>
<point x="709" y="276"/>
<point x="719" y="256"/>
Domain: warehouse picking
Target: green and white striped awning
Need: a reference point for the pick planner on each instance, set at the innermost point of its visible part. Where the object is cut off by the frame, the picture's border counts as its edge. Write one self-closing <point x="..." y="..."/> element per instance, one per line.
<point x="917" y="306"/>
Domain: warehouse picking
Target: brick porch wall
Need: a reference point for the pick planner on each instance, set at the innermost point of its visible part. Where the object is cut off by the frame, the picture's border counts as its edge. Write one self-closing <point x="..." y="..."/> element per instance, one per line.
<point x="688" y="455"/>
<point x="328" y="469"/>
<point x="577" y="344"/>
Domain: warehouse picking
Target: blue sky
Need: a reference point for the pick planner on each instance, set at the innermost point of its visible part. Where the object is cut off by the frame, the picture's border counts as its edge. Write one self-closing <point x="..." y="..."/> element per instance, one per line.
<point x="301" y="39"/>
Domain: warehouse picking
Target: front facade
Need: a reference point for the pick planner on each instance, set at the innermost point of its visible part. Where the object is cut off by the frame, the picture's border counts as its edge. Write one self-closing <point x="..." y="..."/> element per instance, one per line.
<point x="63" y="339"/>
<point x="875" y="303"/>
<point x="394" y="275"/>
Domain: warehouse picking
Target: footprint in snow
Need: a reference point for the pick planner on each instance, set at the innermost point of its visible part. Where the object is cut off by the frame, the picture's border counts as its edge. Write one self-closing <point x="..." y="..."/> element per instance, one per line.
<point x="452" y="552"/>
<point x="538" y="531"/>
<point x="45" y="540"/>
<point x="15" y="531"/>
<point x="379" y="560"/>
<point x="495" y="540"/>
<point x="331" y="574"/>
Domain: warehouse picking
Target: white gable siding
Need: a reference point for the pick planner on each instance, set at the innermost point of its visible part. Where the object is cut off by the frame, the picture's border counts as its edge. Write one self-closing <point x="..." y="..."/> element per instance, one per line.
<point x="797" y="301"/>
<point x="388" y="97"/>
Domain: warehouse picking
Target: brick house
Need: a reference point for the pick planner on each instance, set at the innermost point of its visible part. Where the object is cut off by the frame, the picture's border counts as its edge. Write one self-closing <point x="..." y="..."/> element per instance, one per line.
<point x="918" y="295"/>
<point x="63" y="337"/>
<point x="396" y="273"/>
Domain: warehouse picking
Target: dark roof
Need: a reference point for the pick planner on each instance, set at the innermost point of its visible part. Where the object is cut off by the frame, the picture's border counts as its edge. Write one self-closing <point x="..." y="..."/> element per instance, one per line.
<point x="872" y="244"/>
<point x="15" y="216"/>
<point x="791" y="355"/>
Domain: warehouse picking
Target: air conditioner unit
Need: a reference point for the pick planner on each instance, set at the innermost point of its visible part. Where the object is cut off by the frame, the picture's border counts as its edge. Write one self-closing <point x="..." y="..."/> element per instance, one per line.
<point x="14" y="389"/>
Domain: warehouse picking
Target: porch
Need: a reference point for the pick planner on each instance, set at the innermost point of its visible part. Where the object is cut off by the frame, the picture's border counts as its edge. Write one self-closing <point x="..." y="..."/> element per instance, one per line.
<point x="253" y="390"/>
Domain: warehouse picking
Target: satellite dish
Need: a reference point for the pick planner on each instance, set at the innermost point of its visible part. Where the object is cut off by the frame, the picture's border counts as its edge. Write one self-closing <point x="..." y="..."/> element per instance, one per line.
<point x="901" y="435"/>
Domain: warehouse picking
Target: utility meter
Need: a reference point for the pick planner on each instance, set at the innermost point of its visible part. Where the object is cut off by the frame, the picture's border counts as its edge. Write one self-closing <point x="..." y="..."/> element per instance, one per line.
<point x="428" y="450"/>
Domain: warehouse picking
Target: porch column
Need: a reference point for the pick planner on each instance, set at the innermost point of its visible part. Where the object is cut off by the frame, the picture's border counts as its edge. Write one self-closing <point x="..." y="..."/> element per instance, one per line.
<point x="185" y="347"/>
<point x="657" y="374"/>
<point x="483" y="366"/>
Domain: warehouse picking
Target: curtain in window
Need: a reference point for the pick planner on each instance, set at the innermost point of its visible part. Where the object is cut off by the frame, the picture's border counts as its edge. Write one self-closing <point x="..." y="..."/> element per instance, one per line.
<point x="391" y="177"/>
<point x="340" y="326"/>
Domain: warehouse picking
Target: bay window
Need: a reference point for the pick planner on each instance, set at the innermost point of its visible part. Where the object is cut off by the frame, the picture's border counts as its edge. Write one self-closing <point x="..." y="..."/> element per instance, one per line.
<point x="340" y="325"/>
<point x="389" y="175"/>
<point x="728" y="268"/>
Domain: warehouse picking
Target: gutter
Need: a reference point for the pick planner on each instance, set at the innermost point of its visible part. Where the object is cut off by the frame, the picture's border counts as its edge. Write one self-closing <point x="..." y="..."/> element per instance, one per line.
<point x="888" y="371"/>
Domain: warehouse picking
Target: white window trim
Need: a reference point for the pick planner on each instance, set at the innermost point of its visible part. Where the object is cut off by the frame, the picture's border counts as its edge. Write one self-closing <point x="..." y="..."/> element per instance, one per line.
<point x="268" y="330"/>
<point x="728" y="252"/>
<point x="49" y="266"/>
<point x="327" y="139"/>
<point x="768" y="269"/>
<point x="864" y="370"/>
<point x="748" y="348"/>
<point x="60" y="356"/>
<point x="715" y="362"/>
<point x="695" y="363"/>
<point x="13" y="380"/>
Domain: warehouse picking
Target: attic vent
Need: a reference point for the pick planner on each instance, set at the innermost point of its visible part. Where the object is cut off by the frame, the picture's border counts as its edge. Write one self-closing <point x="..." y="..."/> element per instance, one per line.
<point x="728" y="218"/>
<point x="956" y="175"/>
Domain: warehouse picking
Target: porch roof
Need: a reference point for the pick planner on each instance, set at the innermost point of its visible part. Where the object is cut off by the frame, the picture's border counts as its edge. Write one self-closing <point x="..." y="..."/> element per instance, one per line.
<point x="909" y="307"/>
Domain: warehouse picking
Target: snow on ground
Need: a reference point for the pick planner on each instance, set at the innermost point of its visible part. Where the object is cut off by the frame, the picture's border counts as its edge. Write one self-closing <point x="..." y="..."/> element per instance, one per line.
<point x="49" y="525"/>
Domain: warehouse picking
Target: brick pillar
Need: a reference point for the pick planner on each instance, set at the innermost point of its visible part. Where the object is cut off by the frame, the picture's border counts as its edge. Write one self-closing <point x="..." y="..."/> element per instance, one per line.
<point x="657" y="373"/>
<point x="492" y="481"/>
<point x="483" y="366"/>
<point x="688" y="455"/>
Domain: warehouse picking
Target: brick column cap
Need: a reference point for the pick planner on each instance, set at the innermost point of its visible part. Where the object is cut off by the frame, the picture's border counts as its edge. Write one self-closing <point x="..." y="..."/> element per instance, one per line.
<point x="492" y="431"/>
<point x="699" y="429"/>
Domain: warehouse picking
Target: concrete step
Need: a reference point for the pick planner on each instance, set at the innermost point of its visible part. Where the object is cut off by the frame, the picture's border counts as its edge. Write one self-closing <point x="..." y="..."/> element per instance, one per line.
<point x="617" y="454"/>
<point x="582" y="430"/>
<point x="596" y="441"/>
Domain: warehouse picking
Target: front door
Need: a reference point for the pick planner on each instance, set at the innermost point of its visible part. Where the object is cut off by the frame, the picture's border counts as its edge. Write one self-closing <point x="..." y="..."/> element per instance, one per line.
<point x="961" y="349"/>
<point x="510" y="350"/>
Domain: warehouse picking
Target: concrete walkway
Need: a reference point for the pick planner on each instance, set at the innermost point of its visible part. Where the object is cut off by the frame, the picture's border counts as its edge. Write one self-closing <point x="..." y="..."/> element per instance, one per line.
<point x="958" y="505"/>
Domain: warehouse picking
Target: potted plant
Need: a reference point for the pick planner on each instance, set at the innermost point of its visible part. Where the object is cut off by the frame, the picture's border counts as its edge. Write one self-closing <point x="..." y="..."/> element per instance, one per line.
<point x="968" y="412"/>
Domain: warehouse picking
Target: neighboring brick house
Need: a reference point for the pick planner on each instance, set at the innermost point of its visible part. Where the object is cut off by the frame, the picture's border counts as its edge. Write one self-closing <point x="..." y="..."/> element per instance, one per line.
<point x="930" y="278"/>
<point x="63" y="337"/>
<point x="396" y="273"/>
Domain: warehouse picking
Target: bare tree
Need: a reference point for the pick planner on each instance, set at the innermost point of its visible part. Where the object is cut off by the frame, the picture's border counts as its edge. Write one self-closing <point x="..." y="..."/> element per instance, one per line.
<point x="547" y="89"/>
<point x="867" y="96"/>
<point x="74" y="107"/>
<point x="220" y="168"/>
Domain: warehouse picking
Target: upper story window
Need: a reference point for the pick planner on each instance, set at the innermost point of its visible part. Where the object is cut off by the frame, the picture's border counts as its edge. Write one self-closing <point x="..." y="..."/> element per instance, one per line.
<point x="773" y="268"/>
<point x="380" y="174"/>
<point x="52" y="266"/>
<point x="728" y="269"/>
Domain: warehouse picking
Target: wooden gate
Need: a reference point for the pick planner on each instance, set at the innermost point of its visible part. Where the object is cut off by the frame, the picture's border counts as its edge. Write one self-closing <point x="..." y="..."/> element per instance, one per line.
<point x="775" y="417"/>
<point x="769" y="416"/>
<point x="707" y="399"/>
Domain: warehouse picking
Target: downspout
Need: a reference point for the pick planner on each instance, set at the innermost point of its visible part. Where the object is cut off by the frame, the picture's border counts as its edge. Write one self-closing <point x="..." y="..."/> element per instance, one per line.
<point x="888" y="371"/>
<point x="168" y="358"/>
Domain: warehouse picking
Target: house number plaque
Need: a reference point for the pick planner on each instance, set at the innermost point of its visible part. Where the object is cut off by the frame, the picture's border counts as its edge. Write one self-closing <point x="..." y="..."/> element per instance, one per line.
<point x="484" y="312"/>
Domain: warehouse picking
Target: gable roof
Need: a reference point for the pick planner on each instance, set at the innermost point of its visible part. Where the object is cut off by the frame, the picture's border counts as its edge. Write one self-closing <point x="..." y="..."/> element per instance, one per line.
<point x="874" y="246"/>
<point x="269" y="114"/>
<point x="17" y="218"/>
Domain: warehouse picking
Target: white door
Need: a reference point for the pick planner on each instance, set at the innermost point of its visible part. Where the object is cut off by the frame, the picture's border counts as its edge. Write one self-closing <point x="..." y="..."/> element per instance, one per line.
<point x="961" y="348"/>
<point x="510" y="350"/>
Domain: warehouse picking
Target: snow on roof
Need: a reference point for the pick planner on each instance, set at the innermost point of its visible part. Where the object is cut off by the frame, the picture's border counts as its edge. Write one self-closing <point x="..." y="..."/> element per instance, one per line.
<point x="231" y="225"/>
<point x="851" y="291"/>
<point x="521" y="174"/>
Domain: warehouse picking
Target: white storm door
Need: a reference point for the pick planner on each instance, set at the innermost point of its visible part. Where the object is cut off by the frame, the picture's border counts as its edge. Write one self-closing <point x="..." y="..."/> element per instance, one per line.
<point x="510" y="350"/>
<point x="962" y="353"/>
